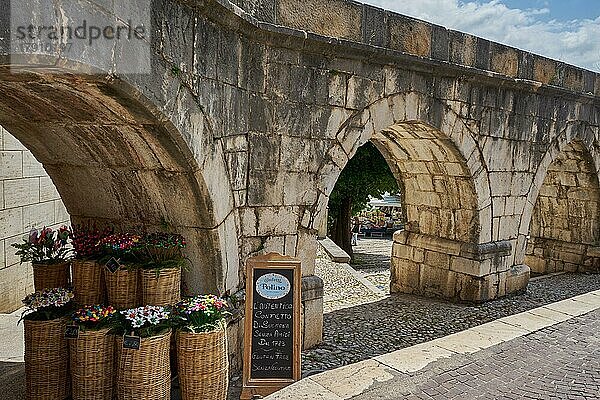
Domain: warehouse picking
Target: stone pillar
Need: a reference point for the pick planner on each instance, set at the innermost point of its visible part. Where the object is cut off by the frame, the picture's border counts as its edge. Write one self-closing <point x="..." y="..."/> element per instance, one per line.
<point x="312" y="311"/>
<point x="436" y="267"/>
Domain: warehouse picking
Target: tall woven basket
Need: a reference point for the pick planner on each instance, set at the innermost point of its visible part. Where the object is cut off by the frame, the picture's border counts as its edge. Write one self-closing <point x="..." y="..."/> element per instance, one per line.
<point x="92" y="365"/>
<point x="202" y="365"/>
<point x="161" y="287"/>
<point x="144" y="373"/>
<point x="48" y="276"/>
<point x="88" y="282"/>
<point x="46" y="360"/>
<point x="122" y="288"/>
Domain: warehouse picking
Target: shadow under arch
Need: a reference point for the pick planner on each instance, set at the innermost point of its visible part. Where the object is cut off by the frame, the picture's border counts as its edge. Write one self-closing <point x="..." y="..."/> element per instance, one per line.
<point x="115" y="158"/>
<point x="447" y="249"/>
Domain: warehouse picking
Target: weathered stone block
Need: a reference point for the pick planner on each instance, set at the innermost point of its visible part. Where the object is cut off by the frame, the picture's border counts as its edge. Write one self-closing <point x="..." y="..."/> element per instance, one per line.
<point x="277" y="220"/>
<point x="11" y="222"/>
<point x="16" y="283"/>
<point x="438" y="260"/>
<point x="333" y="18"/>
<point x="517" y="279"/>
<point x="544" y="70"/>
<point x="410" y="36"/>
<point x="437" y="282"/>
<point x="402" y="251"/>
<point x="374" y="26"/>
<point x="312" y="332"/>
<point x="472" y="289"/>
<point x="362" y="91"/>
<point x="404" y="273"/>
<point x="462" y="48"/>
<point x="440" y="46"/>
<point x="482" y="57"/>
<point x="38" y="215"/>
<point x="400" y="236"/>
<point x="21" y="192"/>
<point x="61" y="214"/>
<point x="436" y="244"/>
<point x="465" y="266"/>
<point x="48" y="191"/>
<point x="12" y="164"/>
<point x="504" y="60"/>
<point x="306" y="249"/>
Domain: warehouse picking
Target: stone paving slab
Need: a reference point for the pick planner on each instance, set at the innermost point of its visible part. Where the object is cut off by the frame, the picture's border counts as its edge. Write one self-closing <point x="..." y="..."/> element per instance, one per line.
<point x="354" y="379"/>
<point x="560" y="359"/>
<point x="413" y="358"/>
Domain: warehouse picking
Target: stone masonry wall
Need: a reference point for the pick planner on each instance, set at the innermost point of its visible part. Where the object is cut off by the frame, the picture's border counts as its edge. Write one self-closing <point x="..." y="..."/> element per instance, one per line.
<point x="431" y="266"/>
<point x="564" y="230"/>
<point x="28" y="199"/>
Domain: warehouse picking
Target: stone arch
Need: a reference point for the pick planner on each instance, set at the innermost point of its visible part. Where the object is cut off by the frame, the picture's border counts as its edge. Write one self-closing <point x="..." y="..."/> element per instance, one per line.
<point x="564" y="222"/>
<point x="438" y="192"/>
<point x="446" y="251"/>
<point x="441" y="136"/>
<point x="117" y="158"/>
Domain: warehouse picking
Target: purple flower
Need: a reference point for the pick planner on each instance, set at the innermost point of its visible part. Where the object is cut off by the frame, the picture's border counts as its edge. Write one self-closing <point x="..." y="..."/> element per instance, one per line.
<point x="33" y="236"/>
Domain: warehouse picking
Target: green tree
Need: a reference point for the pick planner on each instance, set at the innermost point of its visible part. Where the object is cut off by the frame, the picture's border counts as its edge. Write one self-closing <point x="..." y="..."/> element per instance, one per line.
<point x="366" y="174"/>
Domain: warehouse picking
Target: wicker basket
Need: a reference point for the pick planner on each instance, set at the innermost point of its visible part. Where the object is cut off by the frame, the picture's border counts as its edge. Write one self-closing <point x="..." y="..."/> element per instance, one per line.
<point x="88" y="282"/>
<point x="48" y="276"/>
<point x="92" y="365"/>
<point x="46" y="360"/>
<point x="161" y="287"/>
<point x="144" y="373"/>
<point x="202" y="365"/>
<point x="122" y="288"/>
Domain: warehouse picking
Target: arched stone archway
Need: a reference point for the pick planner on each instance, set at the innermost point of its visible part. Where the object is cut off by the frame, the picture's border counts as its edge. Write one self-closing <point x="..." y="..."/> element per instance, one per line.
<point x="439" y="194"/>
<point x="446" y="249"/>
<point x="564" y="231"/>
<point x="117" y="159"/>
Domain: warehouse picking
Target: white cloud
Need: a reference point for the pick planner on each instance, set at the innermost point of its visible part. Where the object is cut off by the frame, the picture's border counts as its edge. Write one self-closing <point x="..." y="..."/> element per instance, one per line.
<point x="576" y="42"/>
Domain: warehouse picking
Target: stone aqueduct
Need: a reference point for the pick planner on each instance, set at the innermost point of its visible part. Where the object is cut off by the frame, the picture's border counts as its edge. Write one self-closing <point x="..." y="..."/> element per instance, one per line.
<point x="252" y="110"/>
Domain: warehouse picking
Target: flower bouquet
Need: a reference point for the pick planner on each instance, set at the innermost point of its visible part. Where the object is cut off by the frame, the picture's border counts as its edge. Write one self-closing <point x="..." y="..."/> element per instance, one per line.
<point x="88" y="272"/>
<point x="92" y="353"/>
<point x="161" y="269"/>
<point x="202" y="360"/>
<point x="144" y="372"/>
<point x="122" y="284"/>
<point x="48" y="252"/>
<point x="46" y="350"/>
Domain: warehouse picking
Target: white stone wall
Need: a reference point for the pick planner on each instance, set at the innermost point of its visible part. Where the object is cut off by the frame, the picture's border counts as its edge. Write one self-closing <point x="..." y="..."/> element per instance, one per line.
<point x="28" y="199"/>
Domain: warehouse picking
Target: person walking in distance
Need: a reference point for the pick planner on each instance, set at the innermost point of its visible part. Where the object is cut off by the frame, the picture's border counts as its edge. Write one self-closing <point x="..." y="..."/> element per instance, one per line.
<point x="355" y="231"/>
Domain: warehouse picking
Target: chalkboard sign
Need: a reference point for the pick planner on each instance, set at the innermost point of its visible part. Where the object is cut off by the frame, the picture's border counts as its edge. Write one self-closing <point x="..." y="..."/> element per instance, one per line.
<point x="72" y="331"/>
<point x="113" y="265"/>
<point x="272" y="326"/>
<point x="131" y="342"/>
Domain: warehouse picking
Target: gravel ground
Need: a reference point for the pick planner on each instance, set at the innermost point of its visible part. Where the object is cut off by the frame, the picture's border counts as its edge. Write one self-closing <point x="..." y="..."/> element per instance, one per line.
<point x="360" y="323"/>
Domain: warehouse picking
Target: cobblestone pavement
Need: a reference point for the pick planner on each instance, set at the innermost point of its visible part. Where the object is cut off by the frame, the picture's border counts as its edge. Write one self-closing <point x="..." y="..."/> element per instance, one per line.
<point x="343" y="286"/>
<point x="558" y="362"/>
<point x="360" y="323"/>
<point x="372" y="260"/>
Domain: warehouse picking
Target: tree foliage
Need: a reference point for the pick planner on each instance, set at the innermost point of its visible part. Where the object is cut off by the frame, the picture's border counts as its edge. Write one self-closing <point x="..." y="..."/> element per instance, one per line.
<point x="366" y="174"/>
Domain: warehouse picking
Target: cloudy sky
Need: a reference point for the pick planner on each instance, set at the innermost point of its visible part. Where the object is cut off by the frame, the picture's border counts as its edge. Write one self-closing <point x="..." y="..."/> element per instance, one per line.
<point x="568" y="30"/>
